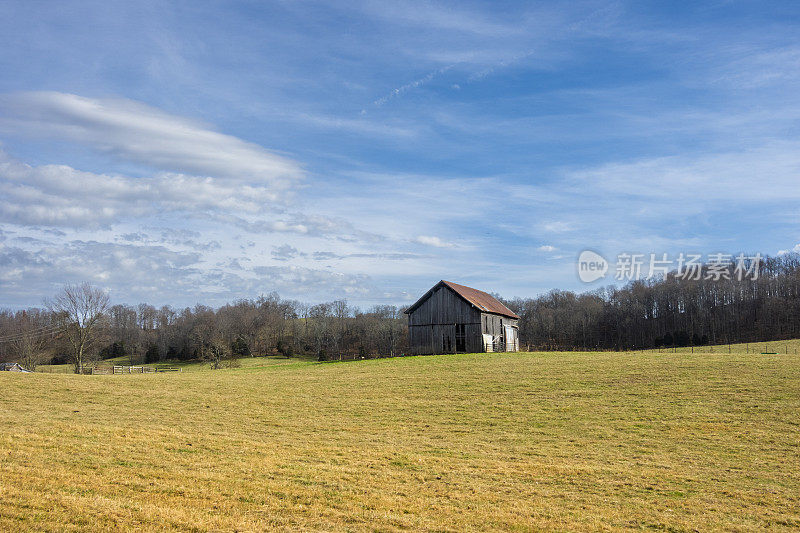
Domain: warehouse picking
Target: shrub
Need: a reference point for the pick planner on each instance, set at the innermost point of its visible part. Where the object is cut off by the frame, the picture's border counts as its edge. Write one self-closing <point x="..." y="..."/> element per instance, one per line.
<point x="152" y="354"/>
<point x="240" y="348"/>
<point x="285" y="349"/>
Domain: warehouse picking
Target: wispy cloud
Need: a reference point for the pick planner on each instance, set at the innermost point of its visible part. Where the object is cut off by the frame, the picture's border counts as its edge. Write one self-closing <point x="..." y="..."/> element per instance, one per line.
<point x="359" y="125"/>
<point x="146" y="135"/>
<point x="59" y="195"/>
<point x="593" y="124"/>
<point x="431" y="240"/>
<point x="137" y="272"/>
<point x="440" y="17"/>
<point x="285" y="252"/>
<point x="301" y="224"/>
<point x="399" y="91"/>
<point x="696" y="179"/>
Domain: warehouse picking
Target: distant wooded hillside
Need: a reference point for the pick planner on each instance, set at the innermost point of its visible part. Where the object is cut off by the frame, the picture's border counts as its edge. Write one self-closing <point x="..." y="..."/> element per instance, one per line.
<point x="670" y="311"/>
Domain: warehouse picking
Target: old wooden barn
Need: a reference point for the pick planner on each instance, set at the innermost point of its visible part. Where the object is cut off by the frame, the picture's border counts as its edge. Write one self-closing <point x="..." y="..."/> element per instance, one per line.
<point x="12" y="367"/>
<point x="452" y="318"/>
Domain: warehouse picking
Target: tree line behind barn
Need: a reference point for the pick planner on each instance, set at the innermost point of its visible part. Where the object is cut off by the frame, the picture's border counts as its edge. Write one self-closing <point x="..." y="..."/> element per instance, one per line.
<point x="268" y="325"/>
<point x="668" y="312"/>
<point x="645" y="314"/>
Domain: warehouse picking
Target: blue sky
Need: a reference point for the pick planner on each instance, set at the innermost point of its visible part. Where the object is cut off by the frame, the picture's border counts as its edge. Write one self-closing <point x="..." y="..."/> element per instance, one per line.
<point x="189" y="152"/>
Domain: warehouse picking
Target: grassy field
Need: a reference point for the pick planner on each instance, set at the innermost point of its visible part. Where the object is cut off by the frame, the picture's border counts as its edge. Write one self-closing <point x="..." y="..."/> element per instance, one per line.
<point x="185" y="366"/>
<point x="789" y="347"/>
<point x="564" y="441"/>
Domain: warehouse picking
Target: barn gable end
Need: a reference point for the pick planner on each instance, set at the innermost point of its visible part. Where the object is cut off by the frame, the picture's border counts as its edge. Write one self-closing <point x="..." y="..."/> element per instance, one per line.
<point x="452" y="318"/>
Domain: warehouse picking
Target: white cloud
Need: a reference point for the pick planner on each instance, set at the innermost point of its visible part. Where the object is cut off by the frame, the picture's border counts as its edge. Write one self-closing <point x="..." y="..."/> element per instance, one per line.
<point x="285" y="252"/>
<point x="434" y="241"/>
<point x="763" y="173"/>
<point x="748" y="68"/>
<point x="295" y="280"/>
<point x="547" y="248"/>
<point x="301" y="224"/>
<point x="140" y="133"/>
<point x="357" y="125"/>
<point x="139" y="268"/>
<point x="154" y="273"/>
<point x="795" y="249"/>
<point x="557" y="227"/>
<point x="59" y="195"/>
<point x="439" y="18"/>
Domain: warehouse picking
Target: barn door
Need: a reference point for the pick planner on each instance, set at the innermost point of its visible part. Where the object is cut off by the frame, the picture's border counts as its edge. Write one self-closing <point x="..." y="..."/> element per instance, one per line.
<point x="511" y="339"/>
<point x="461" y="338"/>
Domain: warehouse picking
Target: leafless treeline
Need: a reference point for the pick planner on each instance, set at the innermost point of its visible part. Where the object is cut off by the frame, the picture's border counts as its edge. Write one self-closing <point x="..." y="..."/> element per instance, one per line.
<point x="644" y="314"/>
<point x="267" y="325"/>
<point x="669" y="312"/>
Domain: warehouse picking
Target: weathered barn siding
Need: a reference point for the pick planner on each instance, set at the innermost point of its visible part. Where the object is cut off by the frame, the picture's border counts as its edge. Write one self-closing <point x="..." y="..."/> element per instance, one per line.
<point x="432" y="327"/>
<point x="495" y="325"/>
<point x="12" y="367"/>
<point x="444" y="321"/>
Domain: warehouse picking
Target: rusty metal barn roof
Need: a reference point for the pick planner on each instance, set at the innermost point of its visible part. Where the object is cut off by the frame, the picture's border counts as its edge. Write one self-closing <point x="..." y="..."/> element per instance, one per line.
<point x="483" y="301"/>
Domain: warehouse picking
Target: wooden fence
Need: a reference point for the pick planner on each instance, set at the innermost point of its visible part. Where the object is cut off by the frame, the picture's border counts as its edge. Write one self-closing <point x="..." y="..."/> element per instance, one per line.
<point x="131" y="370"/>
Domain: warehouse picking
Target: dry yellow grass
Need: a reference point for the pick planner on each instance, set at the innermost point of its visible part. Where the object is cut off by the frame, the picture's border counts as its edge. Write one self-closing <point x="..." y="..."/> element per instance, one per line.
<point x="787" y="347"/>
<point x="564" y="441"/>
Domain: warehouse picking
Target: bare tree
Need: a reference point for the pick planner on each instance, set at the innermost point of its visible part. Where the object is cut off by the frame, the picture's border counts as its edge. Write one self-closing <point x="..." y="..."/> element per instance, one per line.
<point x="33" y="331"/>
<point x="80" y="308"/>
<point x="127" y="336"/>
<point x="218" y="355"/>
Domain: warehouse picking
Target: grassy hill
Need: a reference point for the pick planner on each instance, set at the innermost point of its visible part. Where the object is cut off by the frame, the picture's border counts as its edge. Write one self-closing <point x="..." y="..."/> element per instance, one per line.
<point x="788" y="347"/>
<point x="567" y="441"/>
<point x="185" y="366"/>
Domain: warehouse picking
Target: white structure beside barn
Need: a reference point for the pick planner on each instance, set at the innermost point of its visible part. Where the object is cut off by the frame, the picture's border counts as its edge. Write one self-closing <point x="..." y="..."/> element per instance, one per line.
<point x="452" y="318"/>
<point x="12" y="367"/>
